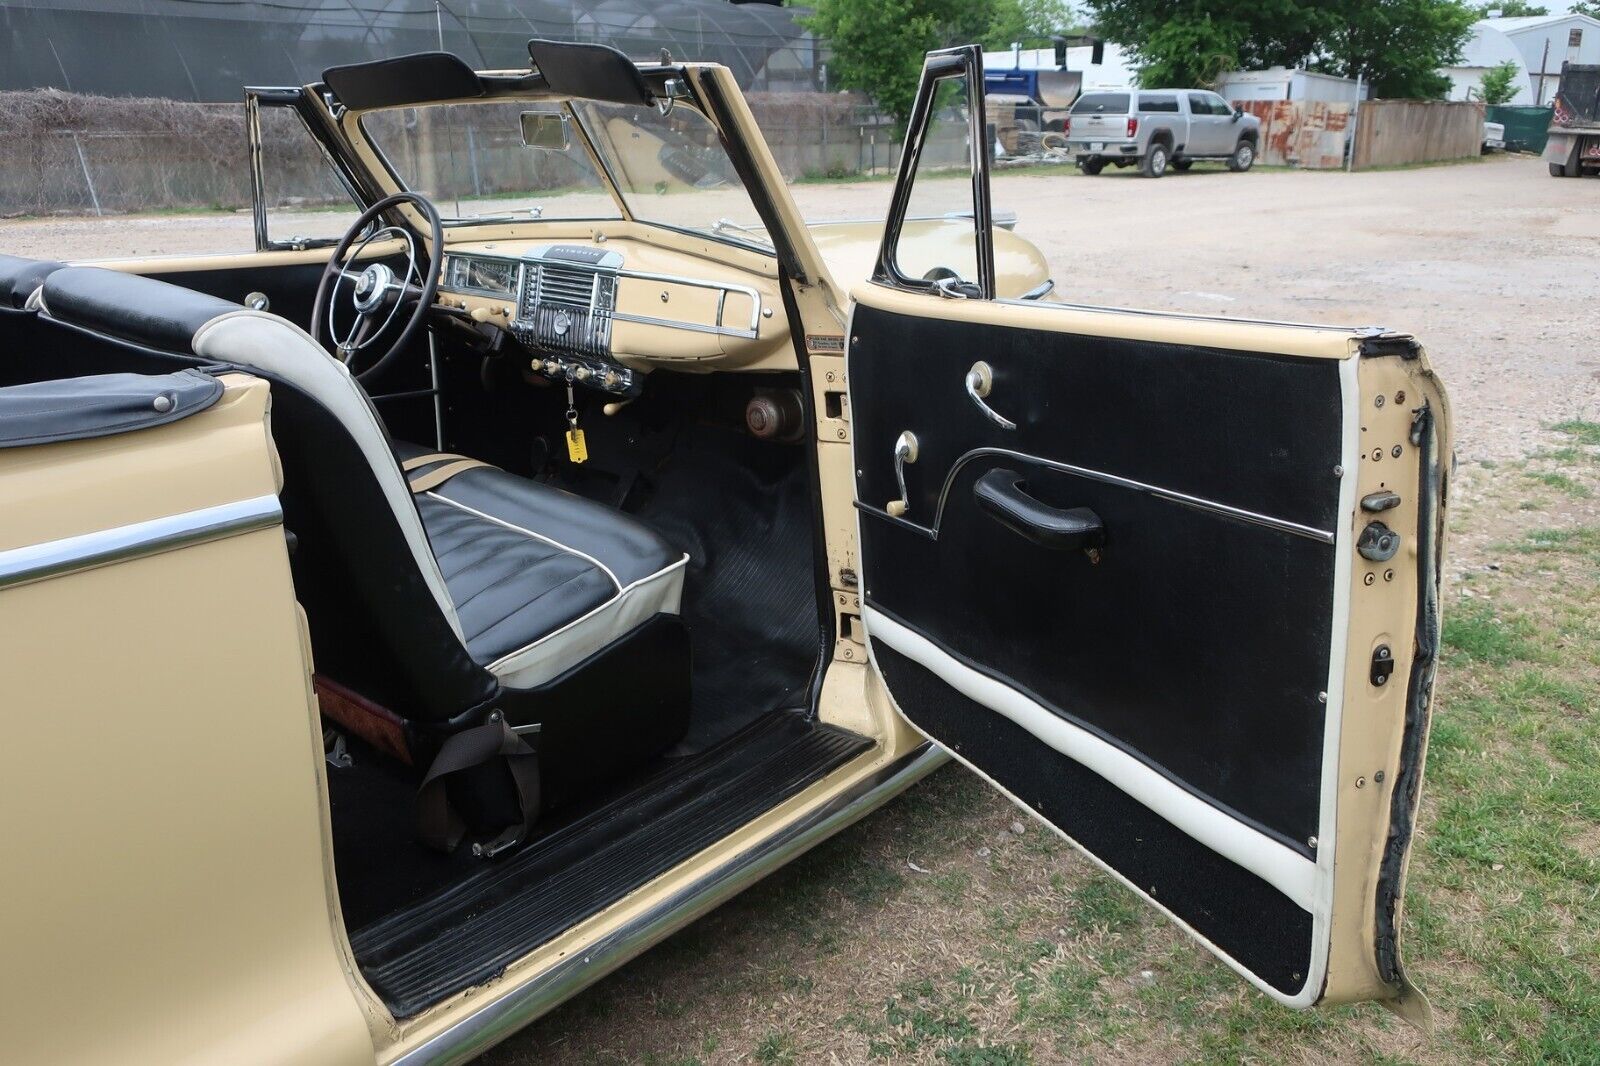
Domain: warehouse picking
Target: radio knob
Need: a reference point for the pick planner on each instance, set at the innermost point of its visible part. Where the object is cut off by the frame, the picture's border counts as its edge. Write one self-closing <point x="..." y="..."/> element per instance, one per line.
<point x="536" y="365"/>
<point x="611" y="379"/>
<point x="582" y="373"/>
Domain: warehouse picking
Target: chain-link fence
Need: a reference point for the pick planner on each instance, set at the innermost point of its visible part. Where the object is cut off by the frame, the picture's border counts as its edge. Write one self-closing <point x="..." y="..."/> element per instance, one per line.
<point x="65" y="154"/>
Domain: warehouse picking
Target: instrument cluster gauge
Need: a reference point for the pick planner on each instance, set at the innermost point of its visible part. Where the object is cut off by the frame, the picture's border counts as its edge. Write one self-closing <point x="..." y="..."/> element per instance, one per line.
<point x="492" y="277"/>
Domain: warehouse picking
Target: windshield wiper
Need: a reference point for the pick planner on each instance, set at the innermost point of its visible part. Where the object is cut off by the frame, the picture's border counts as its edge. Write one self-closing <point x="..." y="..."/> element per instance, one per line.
<point x="508" y="216"/>
<point x="723" y="225"/>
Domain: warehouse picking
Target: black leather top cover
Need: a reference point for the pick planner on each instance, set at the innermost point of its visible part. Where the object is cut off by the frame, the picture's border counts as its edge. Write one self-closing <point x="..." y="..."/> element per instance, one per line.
<point x="142" y="310"/>
<point x="403" y="80"/>
<point x="46" y="412"/>
<point x="589" y="71"/>
<point x="521" y="559"/>
<point x="19" y="277"/>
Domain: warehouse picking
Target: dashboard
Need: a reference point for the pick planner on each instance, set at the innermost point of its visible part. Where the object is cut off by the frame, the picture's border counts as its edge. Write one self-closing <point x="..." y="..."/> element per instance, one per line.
<point x="605" y="314"/>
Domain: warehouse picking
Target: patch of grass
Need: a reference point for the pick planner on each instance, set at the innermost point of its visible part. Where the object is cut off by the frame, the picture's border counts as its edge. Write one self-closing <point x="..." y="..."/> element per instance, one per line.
<point x="1475" y="631"/>
<point x="1583" y="432"/>
<point x="1105" y="905"/>
<point x="775" y="1047"/>
<point x="1560" y="482"/>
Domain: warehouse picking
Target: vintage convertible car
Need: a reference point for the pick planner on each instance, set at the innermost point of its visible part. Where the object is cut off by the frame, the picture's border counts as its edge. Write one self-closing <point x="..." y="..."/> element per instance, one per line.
<point x="400" y="637"/>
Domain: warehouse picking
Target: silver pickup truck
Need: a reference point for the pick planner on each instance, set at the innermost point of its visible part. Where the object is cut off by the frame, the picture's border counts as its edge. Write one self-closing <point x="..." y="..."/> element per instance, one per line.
<point x="1159" y="128"/>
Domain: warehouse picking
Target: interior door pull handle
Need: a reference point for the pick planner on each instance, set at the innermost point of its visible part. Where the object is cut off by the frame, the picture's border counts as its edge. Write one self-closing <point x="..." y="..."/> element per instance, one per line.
<point x="1003" y="495"/>
<point x="980" y="379"/>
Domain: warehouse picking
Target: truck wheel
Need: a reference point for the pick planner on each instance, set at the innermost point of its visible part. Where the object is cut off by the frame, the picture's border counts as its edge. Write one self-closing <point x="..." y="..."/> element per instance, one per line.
<point x="1243" y="157"/>
<point x="1092" y="167"/>
<point x="1180" y="165"/>
<point x="1155" y="160"/>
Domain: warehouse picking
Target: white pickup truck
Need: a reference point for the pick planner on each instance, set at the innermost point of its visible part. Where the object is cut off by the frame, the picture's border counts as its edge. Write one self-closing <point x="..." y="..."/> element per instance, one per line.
<point x="1159" y="128"/>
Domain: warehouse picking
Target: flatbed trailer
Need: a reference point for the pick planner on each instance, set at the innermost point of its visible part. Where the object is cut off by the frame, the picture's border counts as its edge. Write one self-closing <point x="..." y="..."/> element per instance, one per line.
<point x="1574" y="144"/>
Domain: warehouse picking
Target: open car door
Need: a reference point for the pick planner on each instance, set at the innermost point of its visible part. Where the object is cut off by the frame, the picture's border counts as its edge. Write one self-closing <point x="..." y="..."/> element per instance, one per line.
<point x="1168" y="582"/>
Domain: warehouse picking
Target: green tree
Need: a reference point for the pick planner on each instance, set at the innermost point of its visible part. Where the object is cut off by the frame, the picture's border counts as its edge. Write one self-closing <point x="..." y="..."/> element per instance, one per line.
<point x="1397" y="46"/>
<point x="1511" y="9"/>
<point x="877" y="45"/>
<point x="1585" y="7"/>
<point x="1499" y="84"/>
<point x="1027" y="22"/>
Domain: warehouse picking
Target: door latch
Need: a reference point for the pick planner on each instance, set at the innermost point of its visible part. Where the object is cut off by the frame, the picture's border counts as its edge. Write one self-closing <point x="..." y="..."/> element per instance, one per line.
<point x="905" y="451"/>
<point x="1378" y="542"/>
<point x="1382" y="665"/>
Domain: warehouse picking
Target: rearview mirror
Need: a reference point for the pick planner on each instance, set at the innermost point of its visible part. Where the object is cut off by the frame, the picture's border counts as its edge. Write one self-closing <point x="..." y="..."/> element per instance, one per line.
<point x="546" y="129"/>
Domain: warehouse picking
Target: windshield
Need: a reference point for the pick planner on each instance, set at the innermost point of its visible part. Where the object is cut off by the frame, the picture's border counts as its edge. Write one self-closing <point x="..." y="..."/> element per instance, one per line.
<point x="470" y="160"/>
<point x="672" y="169"/>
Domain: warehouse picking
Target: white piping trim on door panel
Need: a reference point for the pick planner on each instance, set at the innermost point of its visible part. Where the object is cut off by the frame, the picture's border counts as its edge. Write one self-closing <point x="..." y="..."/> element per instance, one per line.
<point x="1274" y="862"/>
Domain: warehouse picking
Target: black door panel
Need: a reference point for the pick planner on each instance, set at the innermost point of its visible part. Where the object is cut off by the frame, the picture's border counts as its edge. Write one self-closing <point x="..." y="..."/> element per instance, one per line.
<point x="1259" y="927"/>
<point x="1166" y="647"/>
<point x="1202" y="422"/>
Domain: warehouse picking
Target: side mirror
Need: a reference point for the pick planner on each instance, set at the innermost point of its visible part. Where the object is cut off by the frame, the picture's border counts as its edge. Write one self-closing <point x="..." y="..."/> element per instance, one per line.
<point x="1238" y="113"/>
<point x="548" y="130"/>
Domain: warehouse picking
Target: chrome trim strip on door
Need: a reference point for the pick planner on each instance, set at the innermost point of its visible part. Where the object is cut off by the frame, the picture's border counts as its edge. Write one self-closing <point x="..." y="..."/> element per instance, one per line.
<point x="476" y="1033"/>
<point x="1282" y="525"/>
<point x="69" y="555"/>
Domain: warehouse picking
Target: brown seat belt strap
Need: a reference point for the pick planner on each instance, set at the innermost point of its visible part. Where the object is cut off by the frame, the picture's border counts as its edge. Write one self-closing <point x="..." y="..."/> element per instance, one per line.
<point x="475" y="751"/>
<point x="432" y="479"/>
<point x="428" y="460"/>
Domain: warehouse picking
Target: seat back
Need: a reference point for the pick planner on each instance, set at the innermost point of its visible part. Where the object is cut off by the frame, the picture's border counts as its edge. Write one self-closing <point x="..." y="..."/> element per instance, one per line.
<point x="382" y="622"/>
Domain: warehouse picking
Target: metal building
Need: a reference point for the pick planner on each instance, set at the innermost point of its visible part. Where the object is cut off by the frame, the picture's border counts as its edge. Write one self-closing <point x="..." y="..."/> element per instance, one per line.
<point x="205" y="50"/>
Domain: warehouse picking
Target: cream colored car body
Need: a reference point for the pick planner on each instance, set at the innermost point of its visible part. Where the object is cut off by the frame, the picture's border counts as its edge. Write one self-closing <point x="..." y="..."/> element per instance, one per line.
<point x="166" y="905"/>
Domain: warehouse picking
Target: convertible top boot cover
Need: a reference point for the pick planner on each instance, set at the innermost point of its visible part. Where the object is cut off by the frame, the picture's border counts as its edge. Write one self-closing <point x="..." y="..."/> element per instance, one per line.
<point x="47" y="412"/>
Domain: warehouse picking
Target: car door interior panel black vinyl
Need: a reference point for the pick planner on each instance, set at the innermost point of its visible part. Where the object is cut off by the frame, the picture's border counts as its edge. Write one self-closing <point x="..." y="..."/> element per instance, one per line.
<point x="1194" y="639"/>
<point x="1262" y="929"/>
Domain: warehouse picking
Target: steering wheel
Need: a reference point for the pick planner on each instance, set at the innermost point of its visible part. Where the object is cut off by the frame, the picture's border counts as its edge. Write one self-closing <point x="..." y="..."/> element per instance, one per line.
<point x="376" y="292"/>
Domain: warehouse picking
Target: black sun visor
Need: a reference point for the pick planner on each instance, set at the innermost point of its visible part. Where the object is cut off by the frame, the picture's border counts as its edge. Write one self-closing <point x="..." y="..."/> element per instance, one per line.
<point x="589" y="72"/>
<point x="403" y="81"/>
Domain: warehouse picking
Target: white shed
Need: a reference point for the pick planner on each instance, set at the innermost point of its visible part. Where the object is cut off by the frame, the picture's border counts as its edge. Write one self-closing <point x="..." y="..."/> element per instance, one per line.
<point x="1488" y="48"/>
<point x="1282" y="83"/>
<point x="1547" y="41"/>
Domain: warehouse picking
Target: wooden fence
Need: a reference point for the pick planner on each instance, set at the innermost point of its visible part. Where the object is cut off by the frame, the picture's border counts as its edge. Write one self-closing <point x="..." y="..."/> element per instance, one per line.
<point x="1393" y="133"/>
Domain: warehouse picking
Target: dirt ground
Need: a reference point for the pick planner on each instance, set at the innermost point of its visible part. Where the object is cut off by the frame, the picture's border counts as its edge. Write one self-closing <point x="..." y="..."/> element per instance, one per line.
<point x="1491" y="265"/>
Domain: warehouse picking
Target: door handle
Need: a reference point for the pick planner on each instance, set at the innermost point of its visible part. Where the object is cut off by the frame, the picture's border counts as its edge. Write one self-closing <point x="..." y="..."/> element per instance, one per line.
<point x="980" y="379"/>
<point x="1003" y="495"/>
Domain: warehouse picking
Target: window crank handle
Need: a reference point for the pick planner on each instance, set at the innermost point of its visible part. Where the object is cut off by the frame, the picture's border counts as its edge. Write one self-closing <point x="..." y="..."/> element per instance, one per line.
<point x="980" y="380"/>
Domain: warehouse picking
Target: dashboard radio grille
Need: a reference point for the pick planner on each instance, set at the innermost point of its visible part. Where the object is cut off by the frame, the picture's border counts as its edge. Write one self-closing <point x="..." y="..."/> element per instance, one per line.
<point x="566" y="308"/>
<point x="566" y="286"/>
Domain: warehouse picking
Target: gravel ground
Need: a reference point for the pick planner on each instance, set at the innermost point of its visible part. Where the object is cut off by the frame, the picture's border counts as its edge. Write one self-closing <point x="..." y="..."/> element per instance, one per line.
<point x="1490" y="264"/>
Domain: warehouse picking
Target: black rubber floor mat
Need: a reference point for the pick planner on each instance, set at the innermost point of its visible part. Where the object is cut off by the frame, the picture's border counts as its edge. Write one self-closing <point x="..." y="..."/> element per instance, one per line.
<point x="469" y="933"/>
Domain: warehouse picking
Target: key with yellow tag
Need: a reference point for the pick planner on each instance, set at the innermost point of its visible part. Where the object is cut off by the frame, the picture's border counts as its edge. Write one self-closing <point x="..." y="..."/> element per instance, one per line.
<point x="577" y="449"/>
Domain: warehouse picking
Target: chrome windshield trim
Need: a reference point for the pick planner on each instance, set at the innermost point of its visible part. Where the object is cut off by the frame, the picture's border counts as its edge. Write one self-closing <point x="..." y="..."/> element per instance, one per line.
<point x="70" y="555"/>
<point x="497" y="1020"/>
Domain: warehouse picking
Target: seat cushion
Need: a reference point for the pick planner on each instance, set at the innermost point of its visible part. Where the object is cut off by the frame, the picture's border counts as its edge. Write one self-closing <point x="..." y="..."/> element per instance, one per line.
<point x="541" y="579"/>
